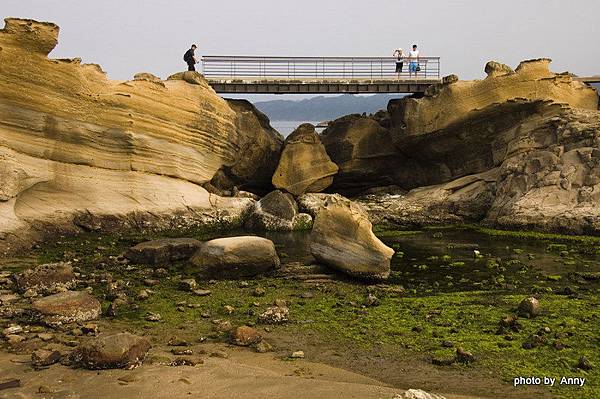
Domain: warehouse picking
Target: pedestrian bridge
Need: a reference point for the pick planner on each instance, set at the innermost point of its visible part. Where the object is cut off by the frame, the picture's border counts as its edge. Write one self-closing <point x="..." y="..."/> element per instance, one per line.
<point x="316" y="75"/>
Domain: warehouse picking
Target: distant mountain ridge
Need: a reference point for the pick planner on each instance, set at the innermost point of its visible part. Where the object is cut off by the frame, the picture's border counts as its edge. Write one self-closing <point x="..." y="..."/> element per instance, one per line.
<point x="324" y="108"/>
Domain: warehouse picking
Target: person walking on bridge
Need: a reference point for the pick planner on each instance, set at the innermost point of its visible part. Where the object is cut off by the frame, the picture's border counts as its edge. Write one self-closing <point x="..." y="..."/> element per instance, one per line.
<point x="190" y="58"/>
<point x="413" y="58"/>
<point x="399" y="61"/>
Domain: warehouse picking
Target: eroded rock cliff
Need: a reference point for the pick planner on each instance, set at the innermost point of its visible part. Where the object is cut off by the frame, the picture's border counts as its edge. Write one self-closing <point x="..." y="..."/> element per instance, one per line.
<point x="516" y="149"/>
<point x="75" y="144"/>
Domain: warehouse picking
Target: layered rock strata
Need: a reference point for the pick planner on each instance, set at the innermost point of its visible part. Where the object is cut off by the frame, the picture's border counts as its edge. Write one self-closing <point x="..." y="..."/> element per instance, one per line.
<point x="78" y="150"/>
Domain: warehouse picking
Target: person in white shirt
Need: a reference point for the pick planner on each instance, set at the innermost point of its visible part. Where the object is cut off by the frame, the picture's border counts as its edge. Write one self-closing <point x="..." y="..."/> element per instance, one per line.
<point x="399" y="61"/>
<point x="413" y="58"/>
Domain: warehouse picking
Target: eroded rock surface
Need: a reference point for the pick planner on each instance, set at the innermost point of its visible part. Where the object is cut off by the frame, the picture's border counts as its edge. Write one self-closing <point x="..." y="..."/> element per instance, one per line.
<point x="304" y="166"/>
<point x="277" y="211"/>
<point x="342" y="238"/>
<point x="76" y="147"/>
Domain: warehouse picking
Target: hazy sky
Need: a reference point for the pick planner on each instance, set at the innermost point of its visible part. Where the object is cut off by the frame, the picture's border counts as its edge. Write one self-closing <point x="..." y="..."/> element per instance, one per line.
<point x="126" y="37"/>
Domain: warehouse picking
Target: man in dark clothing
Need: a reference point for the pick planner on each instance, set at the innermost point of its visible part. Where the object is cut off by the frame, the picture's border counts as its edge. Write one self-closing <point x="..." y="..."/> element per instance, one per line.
<point x="190" y="58"/>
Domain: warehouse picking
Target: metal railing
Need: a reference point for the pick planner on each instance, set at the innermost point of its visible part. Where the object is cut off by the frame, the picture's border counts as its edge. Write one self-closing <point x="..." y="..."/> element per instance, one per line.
<point x="239" y="67"/>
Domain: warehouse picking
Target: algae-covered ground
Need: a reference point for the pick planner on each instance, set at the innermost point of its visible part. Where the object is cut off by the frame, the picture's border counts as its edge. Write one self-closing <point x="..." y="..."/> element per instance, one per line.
<point x="450" y="287"/>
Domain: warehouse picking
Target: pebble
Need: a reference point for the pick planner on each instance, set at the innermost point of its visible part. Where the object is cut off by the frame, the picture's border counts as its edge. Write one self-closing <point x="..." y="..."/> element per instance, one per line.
<point x="529" y="307"/>
<point x="182" y="352"/>
<point x="150" y="316"/>
<point x="297" y="355"/>
<point x="188" y="284"/>
<point x="14" y="329"/>
<point x="371" y="300"/>
<point x="584" y="364"/>
<point x="229" y="309"/>
<point x="259" y="291"/>
<point x="14" y="339"/>
<point x="462" y="356"/>
<point x="143" y="294"/>
<point x="45" y="336"/>
<point x="202" y="292"/>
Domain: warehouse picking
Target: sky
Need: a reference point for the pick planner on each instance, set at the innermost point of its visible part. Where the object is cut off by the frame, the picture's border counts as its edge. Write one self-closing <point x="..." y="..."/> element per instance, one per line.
<point x="130" y="36"/>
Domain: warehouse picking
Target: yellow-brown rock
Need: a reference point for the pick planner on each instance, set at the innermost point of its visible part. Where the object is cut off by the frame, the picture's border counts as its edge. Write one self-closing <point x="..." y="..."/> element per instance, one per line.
<point x="304" y="166"/>
<point x="74" y="142"/>
<point x="452" y="103"/>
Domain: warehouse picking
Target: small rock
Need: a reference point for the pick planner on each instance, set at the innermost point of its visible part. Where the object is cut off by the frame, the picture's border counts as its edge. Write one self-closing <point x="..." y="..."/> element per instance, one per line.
<point x="43" y="358"/>
<point x="584" y="364"/>
<point x="307" y="295"/>
<point x="245" y="336"/>
<point x="371" y="300"/>
<point x="463" y="356"/>
<point x="222" y="325"/>
<point x="14" y="329"/>
<point x="143" y="294"/>
<point x="297" y="355"/>
<point x="243" y="284"/>
<point x="182" y="352"/>
<point x="187" y="361"/>
<point x="263" y="347"/>
<point x="67" y="307"/>
<point x="89" y="329"/>
<point x="151" y="282"/>
<point x="274" y="315"/>
<point x="154" y="317"/>
<point x="529" y="307"/>
<point x="229" y="309"/>
<point x="45" y="337"/>
<point x="14" y="339"/>
<point x="417" y="394"/>
<point x="205" y="315"/>
<point x="188" y="284"/>
<point x="447" y="344"/>
<point x="121" y="350"/>
<point x="202" y="292"/>
<point x="259" y="291"/>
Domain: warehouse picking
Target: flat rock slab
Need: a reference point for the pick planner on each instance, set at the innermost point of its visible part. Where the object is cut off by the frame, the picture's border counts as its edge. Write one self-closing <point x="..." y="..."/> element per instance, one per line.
<point x="163" y="251"/>
<point x="235" y="257"/>
<point x="46" y="277"/>
<point x="67" y="307"/>
<point x="123" y="350"/>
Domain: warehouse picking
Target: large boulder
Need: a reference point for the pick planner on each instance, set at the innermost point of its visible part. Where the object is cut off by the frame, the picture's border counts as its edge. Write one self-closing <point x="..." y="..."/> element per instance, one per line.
<point x="163" y="251"/>
<point x="304" y="166"/>
<point x="277" y="211"/>
<point x="342" y="237"/>
<point x="46" y="278"/>
<point x="361" y="147"/>
<point x="127" y="154"/>
<point x="258" y="147"/>
<point x="66" y="307"/>
<point x="115" y="351"/>
<point x="235" y="257"/>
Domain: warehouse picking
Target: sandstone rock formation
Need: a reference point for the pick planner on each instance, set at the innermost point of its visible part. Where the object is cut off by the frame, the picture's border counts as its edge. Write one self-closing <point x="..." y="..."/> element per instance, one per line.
<point x="121" y="350"/>
<point x="516" y="149"/>
<point x="75" y="145"/>
<point x="163" y="251"/>
<point x="235" y="257"/>
<point x="277" y="211"/>
<point x="362" y="149"/>
<point x="304" y="166"/>
<point x="258" y="150"/>
<point x="342" y="238"/>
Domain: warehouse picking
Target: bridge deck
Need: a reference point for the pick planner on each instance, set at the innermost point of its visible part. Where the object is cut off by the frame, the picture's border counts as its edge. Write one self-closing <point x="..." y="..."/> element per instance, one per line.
<point x="319" y="86"/>
<point x="314" y="75"/>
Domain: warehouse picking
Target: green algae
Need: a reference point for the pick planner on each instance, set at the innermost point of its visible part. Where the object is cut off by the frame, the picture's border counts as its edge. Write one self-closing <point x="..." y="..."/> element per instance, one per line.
<point x="464" y="309"/>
